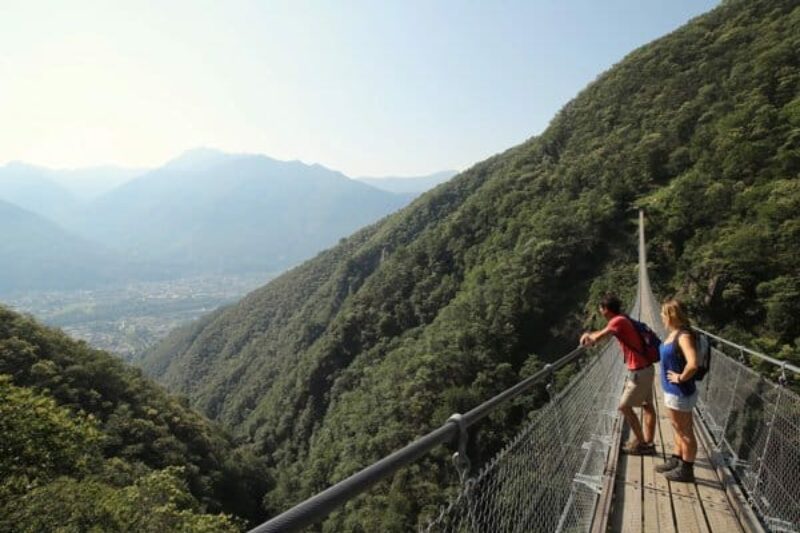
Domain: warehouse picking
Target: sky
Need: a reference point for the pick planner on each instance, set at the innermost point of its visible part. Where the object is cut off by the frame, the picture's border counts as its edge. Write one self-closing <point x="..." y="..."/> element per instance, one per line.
<point x="370" y="88"/>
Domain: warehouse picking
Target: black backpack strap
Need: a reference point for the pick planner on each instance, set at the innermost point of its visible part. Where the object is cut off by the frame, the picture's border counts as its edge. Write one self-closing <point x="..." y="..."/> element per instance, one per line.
<point x="678" y="348"/>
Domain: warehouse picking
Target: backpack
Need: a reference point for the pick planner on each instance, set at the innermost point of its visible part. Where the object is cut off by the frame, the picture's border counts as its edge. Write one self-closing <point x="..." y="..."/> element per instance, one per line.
<point x="650" y="341"/>
<point x="702" y="347"/>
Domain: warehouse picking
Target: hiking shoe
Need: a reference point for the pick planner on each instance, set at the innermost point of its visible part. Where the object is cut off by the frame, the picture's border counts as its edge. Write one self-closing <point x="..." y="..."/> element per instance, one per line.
<point x="670" y="464"/>
<point x="683" y="472"/>
<point x="640" y="448"/>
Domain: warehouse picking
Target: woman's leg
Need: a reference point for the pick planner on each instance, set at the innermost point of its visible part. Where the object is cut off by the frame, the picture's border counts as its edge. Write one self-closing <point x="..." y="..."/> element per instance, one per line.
<point x="685" y="424"/>
<point x="676" y="436"/>
<point x="675" y="460"/>
<point x="684" y="429"/>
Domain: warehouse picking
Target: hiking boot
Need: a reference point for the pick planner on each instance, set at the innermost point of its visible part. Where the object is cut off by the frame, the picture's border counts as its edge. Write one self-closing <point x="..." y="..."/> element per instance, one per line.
<point x="684" y="472"/>
<point x="670" y="464"/>
<point x="639" y="448"/>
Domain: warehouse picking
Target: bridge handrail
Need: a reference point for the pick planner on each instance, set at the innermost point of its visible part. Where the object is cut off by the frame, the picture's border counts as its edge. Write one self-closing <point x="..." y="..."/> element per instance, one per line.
<point x="777" y="362"/>
<point x="320" y="505"/>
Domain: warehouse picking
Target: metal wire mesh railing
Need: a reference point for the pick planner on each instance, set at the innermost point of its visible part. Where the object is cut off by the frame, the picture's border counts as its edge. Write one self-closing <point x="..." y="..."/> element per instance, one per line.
<point x="549" y="476"/>
<point x="755" y="423"/>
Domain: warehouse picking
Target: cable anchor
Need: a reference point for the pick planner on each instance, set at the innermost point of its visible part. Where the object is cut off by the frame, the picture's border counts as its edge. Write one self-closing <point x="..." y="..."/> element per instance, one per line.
<point x="782" y="379"/>
<point x="550" y="387"/>
<point x="460" y="458"/>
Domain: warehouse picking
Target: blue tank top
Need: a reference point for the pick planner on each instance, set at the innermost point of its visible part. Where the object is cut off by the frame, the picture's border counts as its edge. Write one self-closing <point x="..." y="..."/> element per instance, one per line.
<point x="672" y="359"/>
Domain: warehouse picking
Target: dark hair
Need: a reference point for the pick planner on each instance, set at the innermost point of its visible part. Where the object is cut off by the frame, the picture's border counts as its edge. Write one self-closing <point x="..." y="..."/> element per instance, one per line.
<point x="611" y="302"/>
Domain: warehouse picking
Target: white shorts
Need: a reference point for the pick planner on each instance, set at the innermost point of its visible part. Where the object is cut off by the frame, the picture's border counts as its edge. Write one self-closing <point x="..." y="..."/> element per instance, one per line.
<point x="680" y="403"/>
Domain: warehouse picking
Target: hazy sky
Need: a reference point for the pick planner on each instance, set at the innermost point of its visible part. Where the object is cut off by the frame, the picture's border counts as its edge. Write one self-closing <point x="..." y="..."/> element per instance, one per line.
<point x="369" y="88"/>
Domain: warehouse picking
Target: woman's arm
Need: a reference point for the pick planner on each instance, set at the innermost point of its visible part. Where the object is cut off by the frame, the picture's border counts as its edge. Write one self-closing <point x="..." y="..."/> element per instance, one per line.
<point x="686" y="342"/>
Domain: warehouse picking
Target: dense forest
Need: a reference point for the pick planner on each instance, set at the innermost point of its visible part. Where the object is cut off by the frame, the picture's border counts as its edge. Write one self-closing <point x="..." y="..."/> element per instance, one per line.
<point x="485" y="278"/>
<point x="89" y="444"/>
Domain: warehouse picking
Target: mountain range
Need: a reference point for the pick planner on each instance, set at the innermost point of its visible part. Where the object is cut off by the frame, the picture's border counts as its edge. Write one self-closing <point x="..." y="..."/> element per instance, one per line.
<point x="39" y="254"/>
<point x="34" y="189"/>
<point x="204" y="212"/>
<point x="212" y="212"/>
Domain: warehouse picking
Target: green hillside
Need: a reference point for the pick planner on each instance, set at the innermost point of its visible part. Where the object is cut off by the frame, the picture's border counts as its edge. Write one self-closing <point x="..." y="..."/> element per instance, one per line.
<point x="479" y="282"/>
<point x="90" y="444"/>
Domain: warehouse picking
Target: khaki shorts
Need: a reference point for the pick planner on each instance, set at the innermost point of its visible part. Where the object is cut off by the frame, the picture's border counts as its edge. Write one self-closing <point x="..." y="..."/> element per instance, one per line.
<point x="638" y="387"/>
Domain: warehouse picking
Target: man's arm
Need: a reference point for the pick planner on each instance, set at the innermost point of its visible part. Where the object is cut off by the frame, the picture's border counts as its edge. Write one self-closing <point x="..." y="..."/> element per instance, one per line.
<point x="588" y="339"/>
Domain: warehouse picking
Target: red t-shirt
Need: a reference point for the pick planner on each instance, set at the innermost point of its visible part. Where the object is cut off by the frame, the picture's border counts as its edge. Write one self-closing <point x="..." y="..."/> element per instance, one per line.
<point x="626" y="334"/>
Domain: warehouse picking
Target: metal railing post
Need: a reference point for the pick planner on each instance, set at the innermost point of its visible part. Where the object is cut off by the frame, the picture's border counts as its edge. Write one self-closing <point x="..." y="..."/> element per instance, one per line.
<point x="756" y="487"/>
<point x="554" y="402"/>
<point x="723" y="432"/>
<point x="460" y="458"/>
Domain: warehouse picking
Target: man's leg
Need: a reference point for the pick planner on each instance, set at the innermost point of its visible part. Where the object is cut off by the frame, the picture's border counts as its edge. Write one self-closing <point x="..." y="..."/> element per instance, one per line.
<point x="647" y="377"/>
<point x="633" y="422"/>
<point x="649" y="422"/>
<point x="630" y="394"/>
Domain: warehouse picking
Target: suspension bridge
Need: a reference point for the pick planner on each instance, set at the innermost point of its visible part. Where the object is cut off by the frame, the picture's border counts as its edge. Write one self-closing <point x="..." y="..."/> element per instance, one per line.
<point x="564" y="470"/>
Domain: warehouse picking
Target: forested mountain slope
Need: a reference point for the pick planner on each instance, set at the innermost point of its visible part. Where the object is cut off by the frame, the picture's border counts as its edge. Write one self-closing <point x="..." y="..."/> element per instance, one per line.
<point x="89" y="444"/>
<point x="376" y="341"/>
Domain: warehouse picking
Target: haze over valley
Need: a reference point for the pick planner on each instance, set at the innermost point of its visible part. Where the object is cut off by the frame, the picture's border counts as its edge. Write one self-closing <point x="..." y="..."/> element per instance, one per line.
<point x="120" y="257"/>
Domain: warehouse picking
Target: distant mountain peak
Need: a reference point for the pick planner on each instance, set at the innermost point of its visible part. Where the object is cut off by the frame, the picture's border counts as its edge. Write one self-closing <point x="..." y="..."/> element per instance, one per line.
<point x="199" y="157"/>
<point x="22" y="166"/>
<point x="409" y="184"/>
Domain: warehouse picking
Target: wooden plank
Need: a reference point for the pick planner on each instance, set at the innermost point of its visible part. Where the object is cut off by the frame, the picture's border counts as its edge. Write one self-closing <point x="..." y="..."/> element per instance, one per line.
<point x="657" y="501"/>
<point x="736" y="498"/>
<point x="657" y="511"/>
<point x="685" y="504"/>
<point x="711" y="493"/>
<point x="627" y="507"/>
<point x="602" y="516"/>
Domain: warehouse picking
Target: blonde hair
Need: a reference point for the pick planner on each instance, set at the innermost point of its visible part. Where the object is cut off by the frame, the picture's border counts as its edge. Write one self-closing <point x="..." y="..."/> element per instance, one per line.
<point x="675" y="313"/>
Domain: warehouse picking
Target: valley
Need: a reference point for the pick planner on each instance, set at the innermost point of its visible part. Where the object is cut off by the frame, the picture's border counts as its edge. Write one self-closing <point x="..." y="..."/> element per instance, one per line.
<point x="128" y="318"/>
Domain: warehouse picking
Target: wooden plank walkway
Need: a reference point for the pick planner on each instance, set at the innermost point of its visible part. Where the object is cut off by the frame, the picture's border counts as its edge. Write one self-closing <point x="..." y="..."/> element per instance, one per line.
<point x="644" y="501"/>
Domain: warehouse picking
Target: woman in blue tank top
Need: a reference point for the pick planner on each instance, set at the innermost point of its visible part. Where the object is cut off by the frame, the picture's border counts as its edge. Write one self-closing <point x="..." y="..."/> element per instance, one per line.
<point x="678" y="366"/>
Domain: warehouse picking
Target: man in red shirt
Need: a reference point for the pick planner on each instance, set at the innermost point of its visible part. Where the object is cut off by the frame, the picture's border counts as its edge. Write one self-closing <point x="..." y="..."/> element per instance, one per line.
<point x="639" y="384"/>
